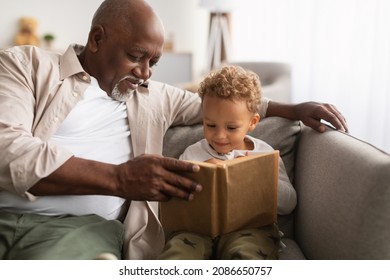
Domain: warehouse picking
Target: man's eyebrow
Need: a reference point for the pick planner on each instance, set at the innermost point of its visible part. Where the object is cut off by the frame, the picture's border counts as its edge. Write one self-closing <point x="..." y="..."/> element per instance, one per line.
<point x="144" y="52"/>
<point x="139" y="49"/>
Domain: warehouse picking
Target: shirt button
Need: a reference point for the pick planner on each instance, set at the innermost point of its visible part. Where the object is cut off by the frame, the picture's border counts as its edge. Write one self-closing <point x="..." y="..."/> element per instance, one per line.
<point x="75" y="94"/>
<point x="85" y="78"/>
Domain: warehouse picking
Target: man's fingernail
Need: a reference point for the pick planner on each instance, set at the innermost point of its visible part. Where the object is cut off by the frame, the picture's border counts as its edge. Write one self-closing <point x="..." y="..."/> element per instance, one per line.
<point x="198" y="188"/>
<point x="195" y="168"/>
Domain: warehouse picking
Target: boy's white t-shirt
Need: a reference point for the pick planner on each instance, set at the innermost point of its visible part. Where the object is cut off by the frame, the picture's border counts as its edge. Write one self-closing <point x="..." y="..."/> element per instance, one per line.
<point x="96" y="129"/>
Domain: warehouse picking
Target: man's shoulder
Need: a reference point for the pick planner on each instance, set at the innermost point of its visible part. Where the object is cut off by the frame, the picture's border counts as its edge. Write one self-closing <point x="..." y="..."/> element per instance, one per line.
<point x="161" y="87"/>
<point x="170" y="97"/>
<point x="29" y="54"/>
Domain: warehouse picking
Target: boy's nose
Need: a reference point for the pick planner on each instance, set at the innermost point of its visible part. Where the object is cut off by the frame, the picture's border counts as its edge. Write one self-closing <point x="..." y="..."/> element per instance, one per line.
<point x="220" y="134"/>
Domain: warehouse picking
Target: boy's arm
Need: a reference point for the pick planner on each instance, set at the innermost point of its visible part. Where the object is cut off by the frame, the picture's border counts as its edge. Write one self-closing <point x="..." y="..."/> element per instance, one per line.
<point x="287" y="197"/>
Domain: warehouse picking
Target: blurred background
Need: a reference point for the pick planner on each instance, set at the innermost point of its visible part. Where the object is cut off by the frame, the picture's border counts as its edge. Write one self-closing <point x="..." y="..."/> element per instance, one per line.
<point x="338" y="51"/>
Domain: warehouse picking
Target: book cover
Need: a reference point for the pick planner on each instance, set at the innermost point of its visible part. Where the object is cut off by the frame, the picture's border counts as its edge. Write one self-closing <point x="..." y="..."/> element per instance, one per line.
<point x="237" y="194"/>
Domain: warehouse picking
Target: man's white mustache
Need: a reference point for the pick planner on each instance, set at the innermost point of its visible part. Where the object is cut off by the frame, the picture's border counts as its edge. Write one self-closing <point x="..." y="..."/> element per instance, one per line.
<point x="134" y="80"/>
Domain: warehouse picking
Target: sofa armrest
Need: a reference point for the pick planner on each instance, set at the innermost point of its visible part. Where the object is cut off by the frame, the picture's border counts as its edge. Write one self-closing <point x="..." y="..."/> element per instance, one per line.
<point x="343" y="187"/>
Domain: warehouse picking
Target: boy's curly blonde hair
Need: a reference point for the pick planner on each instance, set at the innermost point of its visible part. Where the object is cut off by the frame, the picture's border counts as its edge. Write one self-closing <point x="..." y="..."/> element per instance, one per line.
<point x="235" y="83"/>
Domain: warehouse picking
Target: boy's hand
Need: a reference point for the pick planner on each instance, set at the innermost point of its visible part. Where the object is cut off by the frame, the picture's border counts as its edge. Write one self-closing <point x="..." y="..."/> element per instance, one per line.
<point x="213" y="160"/>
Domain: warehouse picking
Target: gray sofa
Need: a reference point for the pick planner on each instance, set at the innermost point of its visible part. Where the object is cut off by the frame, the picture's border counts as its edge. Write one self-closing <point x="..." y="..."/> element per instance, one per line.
<point x="343" y="187"/>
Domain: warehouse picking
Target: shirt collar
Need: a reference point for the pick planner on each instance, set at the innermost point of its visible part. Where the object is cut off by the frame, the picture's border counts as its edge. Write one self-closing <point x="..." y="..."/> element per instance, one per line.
<point x="69" y="62"/>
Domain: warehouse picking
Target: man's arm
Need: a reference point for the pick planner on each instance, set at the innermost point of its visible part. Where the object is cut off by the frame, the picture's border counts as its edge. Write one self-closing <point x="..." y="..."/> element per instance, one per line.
<point x="146" y="177"/>
<point x="310" y="113"/>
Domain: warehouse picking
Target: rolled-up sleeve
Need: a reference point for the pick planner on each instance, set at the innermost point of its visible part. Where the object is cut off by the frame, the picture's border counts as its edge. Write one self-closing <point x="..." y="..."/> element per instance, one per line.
<point x="263" y="107"/>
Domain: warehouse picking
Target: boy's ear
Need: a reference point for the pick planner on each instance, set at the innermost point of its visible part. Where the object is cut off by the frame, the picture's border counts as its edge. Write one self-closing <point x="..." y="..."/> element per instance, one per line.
<point x="254" y="121"/>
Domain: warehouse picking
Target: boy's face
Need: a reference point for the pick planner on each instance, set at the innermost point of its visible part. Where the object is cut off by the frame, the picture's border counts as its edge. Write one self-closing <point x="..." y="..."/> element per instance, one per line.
<point x="226" y="122"/>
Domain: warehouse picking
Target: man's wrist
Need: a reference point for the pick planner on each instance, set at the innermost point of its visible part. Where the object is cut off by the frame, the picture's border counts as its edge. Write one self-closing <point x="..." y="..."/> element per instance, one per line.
<point x="278" y="109"/>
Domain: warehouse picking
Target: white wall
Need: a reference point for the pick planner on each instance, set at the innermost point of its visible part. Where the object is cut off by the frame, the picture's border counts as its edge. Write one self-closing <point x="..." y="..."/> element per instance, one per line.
<point x="70" y="21"/>
<point x="189" y="24"/>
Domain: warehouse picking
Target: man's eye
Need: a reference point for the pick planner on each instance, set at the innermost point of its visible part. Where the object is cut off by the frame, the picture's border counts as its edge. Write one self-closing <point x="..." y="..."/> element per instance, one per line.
<point x="153" y="64"/>
<point x="134" y="58"/>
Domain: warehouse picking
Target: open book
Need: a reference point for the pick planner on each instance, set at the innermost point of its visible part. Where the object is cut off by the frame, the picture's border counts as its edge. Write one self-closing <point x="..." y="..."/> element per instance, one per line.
<point x="237" y="194"/>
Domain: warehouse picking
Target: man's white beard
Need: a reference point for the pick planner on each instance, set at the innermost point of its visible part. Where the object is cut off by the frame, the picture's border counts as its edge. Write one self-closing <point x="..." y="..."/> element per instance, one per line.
<point x="119" y="96"/>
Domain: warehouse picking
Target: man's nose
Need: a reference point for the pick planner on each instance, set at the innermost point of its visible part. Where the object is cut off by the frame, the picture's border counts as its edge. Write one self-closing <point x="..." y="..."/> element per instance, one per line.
<point x="142" y="71"/>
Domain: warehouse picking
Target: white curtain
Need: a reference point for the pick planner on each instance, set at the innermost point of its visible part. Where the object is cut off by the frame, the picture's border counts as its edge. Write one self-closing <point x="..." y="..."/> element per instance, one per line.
<point x="339" y="51"/>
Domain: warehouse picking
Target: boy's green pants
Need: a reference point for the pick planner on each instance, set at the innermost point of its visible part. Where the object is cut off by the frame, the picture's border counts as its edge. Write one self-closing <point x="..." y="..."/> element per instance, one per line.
<point x="249" y="244"/>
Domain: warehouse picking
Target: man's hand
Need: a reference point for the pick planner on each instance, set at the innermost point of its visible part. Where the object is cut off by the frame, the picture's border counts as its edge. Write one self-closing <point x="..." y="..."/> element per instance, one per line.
<point x="310" y="113"/>
<point x="152" y="177"/>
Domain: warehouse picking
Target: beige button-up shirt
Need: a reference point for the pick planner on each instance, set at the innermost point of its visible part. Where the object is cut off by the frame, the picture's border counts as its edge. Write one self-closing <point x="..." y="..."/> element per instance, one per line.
<point x="38" y="89"/>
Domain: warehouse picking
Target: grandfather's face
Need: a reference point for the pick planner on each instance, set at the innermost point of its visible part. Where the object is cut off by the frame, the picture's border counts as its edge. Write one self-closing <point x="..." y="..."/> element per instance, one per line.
<point x="125" y="60"/>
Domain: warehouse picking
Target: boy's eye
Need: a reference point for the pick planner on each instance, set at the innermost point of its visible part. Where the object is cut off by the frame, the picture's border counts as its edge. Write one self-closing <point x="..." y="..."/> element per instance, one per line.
<point x="210" y="125"/>
<point x="232" y="127"/>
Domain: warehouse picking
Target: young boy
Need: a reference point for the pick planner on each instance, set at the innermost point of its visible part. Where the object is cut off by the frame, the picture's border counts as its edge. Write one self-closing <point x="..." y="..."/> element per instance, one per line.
<point x="230" y="101"/>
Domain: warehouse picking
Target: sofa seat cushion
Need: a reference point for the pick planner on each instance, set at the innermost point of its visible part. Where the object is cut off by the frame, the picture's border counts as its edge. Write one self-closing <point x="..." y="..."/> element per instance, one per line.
<point x="292" y="250"/>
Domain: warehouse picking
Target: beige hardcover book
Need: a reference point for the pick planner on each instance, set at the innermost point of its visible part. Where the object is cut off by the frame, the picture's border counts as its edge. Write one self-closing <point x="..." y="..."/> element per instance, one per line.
<point x="237" y="194"/>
